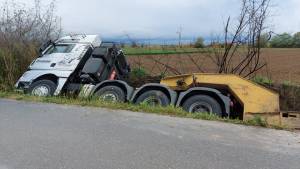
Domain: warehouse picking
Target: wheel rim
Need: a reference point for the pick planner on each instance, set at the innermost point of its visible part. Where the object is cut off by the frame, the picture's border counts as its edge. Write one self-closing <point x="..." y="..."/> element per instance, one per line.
<point x="201" y="107"/>
<point x="42" y="90"/>
<point x="109" y="96"/>
<point x="152" y="101"/>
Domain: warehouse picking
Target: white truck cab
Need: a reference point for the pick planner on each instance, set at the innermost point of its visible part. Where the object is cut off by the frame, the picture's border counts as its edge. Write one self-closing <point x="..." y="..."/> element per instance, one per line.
<point x="57" y="61"/>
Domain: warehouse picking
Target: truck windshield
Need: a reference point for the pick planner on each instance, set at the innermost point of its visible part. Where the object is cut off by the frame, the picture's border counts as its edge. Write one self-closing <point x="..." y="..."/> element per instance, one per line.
<point x="61" y="48"/>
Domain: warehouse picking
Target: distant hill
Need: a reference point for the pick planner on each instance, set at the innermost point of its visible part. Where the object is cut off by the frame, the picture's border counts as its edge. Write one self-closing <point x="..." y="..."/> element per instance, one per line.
<point x="152" y="41"/>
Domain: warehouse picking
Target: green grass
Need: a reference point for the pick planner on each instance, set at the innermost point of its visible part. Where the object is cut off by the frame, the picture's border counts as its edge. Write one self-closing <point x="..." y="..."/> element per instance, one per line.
<point x="263" y="80"/>
<point x="161" y="51"/>
<point x="169" y="110"/>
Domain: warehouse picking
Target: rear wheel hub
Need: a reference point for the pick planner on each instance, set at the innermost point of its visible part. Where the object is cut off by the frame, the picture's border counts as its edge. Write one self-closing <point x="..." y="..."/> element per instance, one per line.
<point x="152" y="101"/>
<point x="201" y="107"/>
<point x="109" y="96"/>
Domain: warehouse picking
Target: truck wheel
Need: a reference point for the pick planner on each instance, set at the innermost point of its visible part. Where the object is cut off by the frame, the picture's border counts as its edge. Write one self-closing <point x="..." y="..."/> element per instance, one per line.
<point x="42" y="88"/>
<point x="202" y="104"/>
<point x="111" y="94"/>
<point x="153" y="98"/>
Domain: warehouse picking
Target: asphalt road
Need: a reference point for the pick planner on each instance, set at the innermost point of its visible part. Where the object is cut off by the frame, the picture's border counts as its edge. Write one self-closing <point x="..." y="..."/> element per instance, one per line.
<point x="49" y="136"/>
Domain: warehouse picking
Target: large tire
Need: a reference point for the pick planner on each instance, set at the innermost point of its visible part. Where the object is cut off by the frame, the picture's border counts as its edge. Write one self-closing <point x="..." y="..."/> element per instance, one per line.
<point x="111" y="93"/>
<point x="42" y="88"/>
<point x="202" y="104"/>
<point x="153" y="98"/>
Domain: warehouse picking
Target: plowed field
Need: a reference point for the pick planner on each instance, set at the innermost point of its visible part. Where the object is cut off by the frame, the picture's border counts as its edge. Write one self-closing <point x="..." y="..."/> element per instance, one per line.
<point x="282" y="64"/>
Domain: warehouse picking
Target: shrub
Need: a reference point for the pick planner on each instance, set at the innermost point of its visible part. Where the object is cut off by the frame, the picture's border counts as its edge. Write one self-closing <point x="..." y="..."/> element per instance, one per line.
<point x="257" y="121"/>
<point x="138" y="73"/>
<point x="263" y="80"/>
<point x="199" y="43"/>
<point x="21" y="33"/>
<point x="289" y="96"/>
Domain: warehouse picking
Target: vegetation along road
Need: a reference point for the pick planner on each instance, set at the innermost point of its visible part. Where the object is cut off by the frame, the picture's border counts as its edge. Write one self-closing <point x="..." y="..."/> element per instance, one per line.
<point x="38" y="135"/>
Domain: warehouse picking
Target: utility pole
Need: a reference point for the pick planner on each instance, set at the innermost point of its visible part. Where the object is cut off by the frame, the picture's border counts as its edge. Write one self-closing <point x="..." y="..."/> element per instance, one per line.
<point x="179" y="32"/>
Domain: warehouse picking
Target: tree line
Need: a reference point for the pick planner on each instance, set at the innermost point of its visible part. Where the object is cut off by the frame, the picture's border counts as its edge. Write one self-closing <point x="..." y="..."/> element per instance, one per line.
<point x="284" y="40"/>
<point x="267" y="40"/>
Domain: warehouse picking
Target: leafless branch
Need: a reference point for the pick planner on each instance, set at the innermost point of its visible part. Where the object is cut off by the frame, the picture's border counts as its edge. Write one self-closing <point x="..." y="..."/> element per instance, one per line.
<point x="246" y="35"/>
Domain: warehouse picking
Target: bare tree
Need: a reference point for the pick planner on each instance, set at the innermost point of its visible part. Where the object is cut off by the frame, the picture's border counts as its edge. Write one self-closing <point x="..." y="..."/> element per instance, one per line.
<point x="20" y="22"/>
<point x="240" y="52"/>
<point x="22" y="30"/>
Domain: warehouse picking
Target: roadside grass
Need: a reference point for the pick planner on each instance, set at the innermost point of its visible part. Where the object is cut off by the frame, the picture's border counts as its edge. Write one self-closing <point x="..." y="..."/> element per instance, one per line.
<point x="169" y="110"/>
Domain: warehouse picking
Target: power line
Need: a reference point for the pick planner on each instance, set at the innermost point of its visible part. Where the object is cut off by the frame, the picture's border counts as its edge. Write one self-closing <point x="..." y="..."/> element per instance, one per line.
<point x="179" y="32"/>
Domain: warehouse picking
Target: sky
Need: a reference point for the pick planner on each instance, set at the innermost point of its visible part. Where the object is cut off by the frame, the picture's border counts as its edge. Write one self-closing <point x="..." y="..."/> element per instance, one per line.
<point x="163" y="18"/>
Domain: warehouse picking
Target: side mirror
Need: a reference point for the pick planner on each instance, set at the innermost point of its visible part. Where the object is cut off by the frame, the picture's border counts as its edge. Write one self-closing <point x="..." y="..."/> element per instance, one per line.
<point x="41" y="51"/>
<point x="45" y="46"/>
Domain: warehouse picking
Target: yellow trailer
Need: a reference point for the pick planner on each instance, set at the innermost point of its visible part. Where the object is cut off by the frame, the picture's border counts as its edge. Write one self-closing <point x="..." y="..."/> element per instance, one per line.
<point x="222" y="94"/>
<point x="249" y="98"/>
<point x="102" y="70"/>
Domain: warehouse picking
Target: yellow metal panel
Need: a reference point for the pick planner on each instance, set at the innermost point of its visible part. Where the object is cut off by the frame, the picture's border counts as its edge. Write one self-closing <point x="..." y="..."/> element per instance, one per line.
<point x="255" y="98"/>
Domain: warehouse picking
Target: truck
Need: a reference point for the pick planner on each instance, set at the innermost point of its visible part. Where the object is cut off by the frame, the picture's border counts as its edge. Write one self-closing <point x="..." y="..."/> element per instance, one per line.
<point x="89" y="67"/>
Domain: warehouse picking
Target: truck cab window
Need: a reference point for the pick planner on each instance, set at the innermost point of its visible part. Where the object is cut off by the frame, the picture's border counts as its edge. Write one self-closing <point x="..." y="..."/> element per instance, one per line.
<point x="62" y="48"/>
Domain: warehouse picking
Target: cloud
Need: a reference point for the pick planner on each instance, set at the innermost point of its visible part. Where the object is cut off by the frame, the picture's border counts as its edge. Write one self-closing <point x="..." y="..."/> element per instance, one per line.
<point x="286" y="16"/>
<point x="151" y="17"/>
<point x="162" y="18"/>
